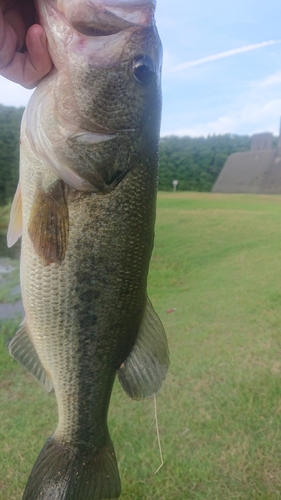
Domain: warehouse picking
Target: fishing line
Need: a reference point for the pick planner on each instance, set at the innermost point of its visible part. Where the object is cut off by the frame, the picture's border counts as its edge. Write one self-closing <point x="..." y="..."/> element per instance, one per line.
<point x="158" y="436"/>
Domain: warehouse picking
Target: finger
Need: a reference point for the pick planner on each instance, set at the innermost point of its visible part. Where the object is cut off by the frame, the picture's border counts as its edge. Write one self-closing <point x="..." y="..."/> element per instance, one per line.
<point x="8" y="42"/>
<point x="14" y="19"/>
<point x="29" y="68"/>
<point x="39" y="62"/>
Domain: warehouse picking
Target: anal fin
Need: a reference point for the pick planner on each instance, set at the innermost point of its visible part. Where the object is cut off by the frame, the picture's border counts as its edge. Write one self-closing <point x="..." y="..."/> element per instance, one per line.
<point x="142" y="373"/>
<point x="48" y="223"/>
<point x="23" y="351"/>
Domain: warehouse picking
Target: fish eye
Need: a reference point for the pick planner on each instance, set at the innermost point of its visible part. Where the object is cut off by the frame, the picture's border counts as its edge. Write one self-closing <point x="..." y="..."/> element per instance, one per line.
<point x="144" y="69"/>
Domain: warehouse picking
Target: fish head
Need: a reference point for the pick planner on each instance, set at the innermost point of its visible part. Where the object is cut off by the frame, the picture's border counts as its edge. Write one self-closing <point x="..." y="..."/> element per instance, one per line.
<point x="107" y="56"/>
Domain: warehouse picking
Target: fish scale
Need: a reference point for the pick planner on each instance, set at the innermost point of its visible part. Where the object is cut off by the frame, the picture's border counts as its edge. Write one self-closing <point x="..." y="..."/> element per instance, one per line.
<point x="86" y="208"/>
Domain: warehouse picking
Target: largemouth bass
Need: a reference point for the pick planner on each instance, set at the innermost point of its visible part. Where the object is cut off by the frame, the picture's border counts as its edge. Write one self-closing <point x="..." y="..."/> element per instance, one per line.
<point x="85" y="207"/>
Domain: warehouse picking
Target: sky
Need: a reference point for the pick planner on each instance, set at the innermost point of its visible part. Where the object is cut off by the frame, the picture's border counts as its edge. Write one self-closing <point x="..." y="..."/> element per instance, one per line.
<point x="221" y="67"/>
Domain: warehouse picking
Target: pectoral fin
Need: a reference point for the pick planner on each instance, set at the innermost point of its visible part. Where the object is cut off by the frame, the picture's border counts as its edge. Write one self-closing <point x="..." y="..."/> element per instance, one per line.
<point x="23" y="351"/>
<point x="15" y="224"/>
<point x="143" y="372"/>
<point x="48" y="223"/>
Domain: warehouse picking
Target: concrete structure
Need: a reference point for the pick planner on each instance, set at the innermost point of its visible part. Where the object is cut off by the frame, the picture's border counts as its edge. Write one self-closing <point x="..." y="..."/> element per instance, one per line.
<point x="255" y="171"/>
<point x="261" y="141"/>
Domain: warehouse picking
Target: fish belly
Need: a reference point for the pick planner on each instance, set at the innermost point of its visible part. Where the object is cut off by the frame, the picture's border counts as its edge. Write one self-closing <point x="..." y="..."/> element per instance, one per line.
<point x="83" y="314"/>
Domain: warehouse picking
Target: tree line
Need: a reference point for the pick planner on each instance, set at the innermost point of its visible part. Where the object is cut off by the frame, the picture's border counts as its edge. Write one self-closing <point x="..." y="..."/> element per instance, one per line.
<point x="194" y="162"/>
<point x="10" y="119"/>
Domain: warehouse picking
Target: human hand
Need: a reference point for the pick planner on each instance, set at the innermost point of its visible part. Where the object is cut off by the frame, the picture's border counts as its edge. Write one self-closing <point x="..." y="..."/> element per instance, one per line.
<point x="24" y="56"/>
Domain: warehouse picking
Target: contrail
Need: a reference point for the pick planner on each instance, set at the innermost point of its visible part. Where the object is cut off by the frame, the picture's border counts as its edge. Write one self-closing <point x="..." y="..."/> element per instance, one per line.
<point x="222" y="55"/>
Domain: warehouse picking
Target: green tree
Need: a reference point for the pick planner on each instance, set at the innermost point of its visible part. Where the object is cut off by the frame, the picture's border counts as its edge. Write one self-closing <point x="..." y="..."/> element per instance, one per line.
<point x="10" y="119"/>
<point x="196" y="162"/>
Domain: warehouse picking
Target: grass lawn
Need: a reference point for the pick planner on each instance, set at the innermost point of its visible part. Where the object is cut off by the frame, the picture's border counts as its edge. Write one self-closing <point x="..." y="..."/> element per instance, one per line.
<point x="217" y="261"/>
<point x="9" y="289"/>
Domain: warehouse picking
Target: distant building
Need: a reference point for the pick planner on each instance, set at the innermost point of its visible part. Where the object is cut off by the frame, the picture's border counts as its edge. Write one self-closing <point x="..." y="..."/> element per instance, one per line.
<point x="255" y="171"/>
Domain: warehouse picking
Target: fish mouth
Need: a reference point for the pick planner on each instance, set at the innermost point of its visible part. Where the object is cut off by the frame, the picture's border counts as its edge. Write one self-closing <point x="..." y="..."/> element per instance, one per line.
<point x="85" y="137"/>
<point x="106" y="17"/>
<point x="92" y="137"/>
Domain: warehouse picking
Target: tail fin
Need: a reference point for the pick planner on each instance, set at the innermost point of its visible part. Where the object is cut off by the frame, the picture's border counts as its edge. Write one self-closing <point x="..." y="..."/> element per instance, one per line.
<point x="64" y="473"/>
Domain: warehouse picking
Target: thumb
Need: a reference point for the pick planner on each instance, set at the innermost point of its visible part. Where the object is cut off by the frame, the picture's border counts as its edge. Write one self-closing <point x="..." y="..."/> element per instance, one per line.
<point x="38" y="62"/>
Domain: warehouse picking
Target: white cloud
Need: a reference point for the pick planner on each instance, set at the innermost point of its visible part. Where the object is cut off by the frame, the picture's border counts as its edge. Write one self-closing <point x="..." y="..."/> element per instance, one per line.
<point x="222" y="55"/>
<point x="274" y="79"/>
<point x="248" y="118"/>
<point x="255" y="108"/>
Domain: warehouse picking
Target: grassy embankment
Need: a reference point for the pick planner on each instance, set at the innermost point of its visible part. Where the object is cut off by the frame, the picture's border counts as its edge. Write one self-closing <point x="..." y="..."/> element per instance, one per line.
<point x="217" y="260"/>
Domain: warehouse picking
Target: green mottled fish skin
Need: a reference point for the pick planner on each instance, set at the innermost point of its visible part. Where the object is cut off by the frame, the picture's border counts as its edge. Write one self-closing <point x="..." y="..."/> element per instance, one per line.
<point x="87" y="312"/>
